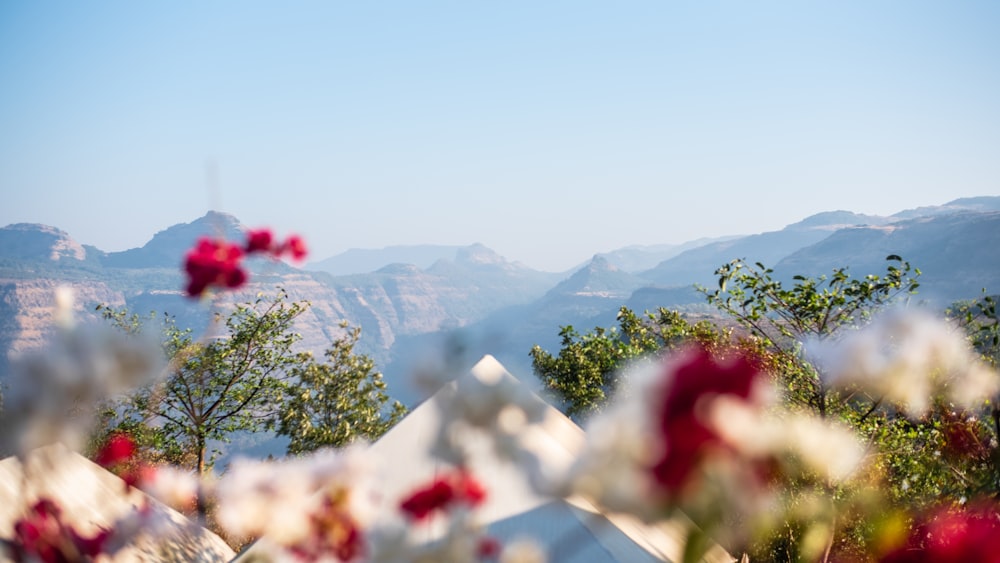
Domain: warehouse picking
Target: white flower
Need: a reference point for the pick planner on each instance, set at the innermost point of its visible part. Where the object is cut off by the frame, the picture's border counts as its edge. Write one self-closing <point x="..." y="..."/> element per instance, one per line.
<point x="173" y="486"/>
<point x="281" y="500"/>
<point x="905" y="357"/>
<point x="613" y="469"/>
<point x="52" y="392"/>
<point x="523" y="551"/>
<point x="827" y="448"/>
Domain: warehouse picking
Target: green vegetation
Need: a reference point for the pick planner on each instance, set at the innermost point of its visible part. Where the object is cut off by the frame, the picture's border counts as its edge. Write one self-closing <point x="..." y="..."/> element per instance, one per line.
<point x="946" y="456"/>
<point x="336" y="401"/>
<point x="246" y="379"/>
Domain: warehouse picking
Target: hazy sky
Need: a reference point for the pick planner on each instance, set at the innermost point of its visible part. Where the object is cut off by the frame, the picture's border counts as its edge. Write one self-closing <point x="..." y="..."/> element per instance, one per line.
<point x="545" y="130"/>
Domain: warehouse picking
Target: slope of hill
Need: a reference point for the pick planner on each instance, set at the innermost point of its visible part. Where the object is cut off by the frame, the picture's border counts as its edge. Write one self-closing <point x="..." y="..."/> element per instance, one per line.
<point x="365" y="260"/>
<point x="957" y="253"/>
<point x="699" y="265"/>
<point x="980" y="204"/>
<point x="167" y="248"/>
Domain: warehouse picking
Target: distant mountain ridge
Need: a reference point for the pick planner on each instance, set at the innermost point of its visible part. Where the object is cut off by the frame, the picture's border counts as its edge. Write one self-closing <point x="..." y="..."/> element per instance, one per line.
<point x="411" y="295"/>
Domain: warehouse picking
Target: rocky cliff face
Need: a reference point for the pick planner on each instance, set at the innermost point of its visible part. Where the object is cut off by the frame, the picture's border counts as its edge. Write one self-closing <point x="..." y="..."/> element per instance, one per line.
<point x="398" y="300"/>
<point x="27" y="306"/>
<point x="28" y="241"/>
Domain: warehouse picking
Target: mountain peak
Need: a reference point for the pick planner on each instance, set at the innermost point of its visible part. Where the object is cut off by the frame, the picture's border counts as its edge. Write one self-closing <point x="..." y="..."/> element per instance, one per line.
<point x="37" y="241"/>
<point x="600" y="263"/>
<point x="167" y="247"/>
<point x="478" y="254"/>
<point x="833" y="220"/>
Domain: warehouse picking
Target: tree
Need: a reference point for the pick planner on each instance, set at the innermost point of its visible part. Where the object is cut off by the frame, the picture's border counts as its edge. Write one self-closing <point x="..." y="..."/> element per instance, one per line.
<point x="782" y="318"/>
<point x="943" y="456"/>
<point x="214" y="387"/>
<point x="586" y="373"/>
<point x="336" y="401"/>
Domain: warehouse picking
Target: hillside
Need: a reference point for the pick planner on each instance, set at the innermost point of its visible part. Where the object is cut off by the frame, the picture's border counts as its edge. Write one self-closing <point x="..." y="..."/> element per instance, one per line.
<point x="486" y="302"/>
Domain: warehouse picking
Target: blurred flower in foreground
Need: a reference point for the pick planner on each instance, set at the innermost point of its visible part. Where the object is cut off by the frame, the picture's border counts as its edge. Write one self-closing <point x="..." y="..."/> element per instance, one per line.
<point x="459" y="487"/>
<point x="908" y="357"/>
<point x="492" y="403"/>
<point x="952" y="536"/>
<point x="43" y="536"/>
<point x="52" y="393"/>
<point x="218" y="263"/>
<point x="649" y="450"/>
<point x="311" y="508"/>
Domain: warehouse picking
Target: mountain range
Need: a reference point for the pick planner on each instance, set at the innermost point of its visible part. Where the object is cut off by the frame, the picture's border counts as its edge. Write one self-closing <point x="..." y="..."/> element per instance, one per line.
<point x="412" y="299"/>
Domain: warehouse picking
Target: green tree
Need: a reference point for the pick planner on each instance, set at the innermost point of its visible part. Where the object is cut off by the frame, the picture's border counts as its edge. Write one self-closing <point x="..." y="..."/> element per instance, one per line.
<point x="586" y="372"/>
<point x="781" y="318"/>
<point x="336" y="401"/>
<point x="215" y="387"/>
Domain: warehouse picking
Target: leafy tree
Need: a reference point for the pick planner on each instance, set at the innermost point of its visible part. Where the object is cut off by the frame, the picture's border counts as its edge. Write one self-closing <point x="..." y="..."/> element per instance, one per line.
<point x="781" y="318"/>
<point x="945" y="456"/>
<point x="586" y="372"/>
<point x="336" y="401"/>
<point x="214" y="387"/>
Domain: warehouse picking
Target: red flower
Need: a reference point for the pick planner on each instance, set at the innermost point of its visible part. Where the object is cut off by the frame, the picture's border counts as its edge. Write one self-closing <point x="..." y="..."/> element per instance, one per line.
<point x="423" y="502"/>
<point x="259" y="240"/>
<point x="952" y="537"/>
<point x="213" y="263"/>
<point x="488" y="548"/>
<point x="698" y="377"/>
<point x="42" y="536"/>
<point x="119" y="448"/>
<point x="459" y="487"/>
<point x="295" y="246"/>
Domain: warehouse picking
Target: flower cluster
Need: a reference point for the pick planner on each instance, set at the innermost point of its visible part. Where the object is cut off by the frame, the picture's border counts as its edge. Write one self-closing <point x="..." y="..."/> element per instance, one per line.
<point x="219" y="263"/>
<point x="906" y="358"/>
<point x="51" y="394"/>
<point x="459" y="487"/>
<point x="308" y="507"/>
<point x="43" y="536"/>
<point x="947" y="535"/>
<point x="692" y="381"/>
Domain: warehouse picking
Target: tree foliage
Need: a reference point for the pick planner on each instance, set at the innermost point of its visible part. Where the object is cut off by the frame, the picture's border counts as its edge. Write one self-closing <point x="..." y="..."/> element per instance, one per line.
<point x="781" y="317"/>
<point x="335" y="401"/>
<point x="214" y="387"/>
<point x="945" y="456"/>
<point x="586" y="372"/>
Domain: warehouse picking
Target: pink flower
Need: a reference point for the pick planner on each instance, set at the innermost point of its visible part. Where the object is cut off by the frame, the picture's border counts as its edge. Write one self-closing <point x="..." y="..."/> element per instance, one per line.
<point x="259" y="240"/>
<point x="295" y="246"/>
<point x="213" y="263"/>
<point x="119" y="448"/>
<point x="442" y="493"/>
<point x="42" y="536"/>
<point x="686" y="437"/>
<point x="952" y="536"/>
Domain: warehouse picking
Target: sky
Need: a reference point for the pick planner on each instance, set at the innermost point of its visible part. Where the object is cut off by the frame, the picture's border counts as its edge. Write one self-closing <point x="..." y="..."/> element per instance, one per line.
<point x="548" y="131"/>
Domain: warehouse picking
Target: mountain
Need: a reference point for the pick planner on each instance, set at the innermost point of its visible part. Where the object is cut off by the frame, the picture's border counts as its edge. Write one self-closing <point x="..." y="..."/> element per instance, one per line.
<point x="698" y="265"/>
<point x="397" y="300"/>
<point x="469" y="297"/>
<point x="365" y="260"/>
<point x="591" y="296"/>
<point x="638" y="258"/>
<point x="980" y="204"/>
<point x="957" y="253"/>
<point x="32" y="242"/>
<point x="167" y="248"/>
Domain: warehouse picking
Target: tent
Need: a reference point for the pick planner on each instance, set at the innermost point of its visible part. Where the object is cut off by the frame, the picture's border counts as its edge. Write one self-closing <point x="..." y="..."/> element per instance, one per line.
<point x="92" y="498"/>
<point x="571" y="530"/>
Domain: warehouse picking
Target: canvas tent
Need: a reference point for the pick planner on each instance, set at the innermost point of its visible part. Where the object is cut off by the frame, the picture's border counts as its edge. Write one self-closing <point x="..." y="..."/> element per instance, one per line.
<point x="92" y="498"/>
<point x="571" y="530"/>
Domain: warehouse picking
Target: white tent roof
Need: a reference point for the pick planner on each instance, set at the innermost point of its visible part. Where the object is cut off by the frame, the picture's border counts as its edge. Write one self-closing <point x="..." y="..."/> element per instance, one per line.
<point x="91" y="498"/>
<point x="570" y="529"/>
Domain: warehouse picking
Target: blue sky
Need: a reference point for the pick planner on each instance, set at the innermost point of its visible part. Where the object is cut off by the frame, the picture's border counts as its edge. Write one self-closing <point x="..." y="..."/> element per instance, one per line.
<point x="546" y="130"/>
